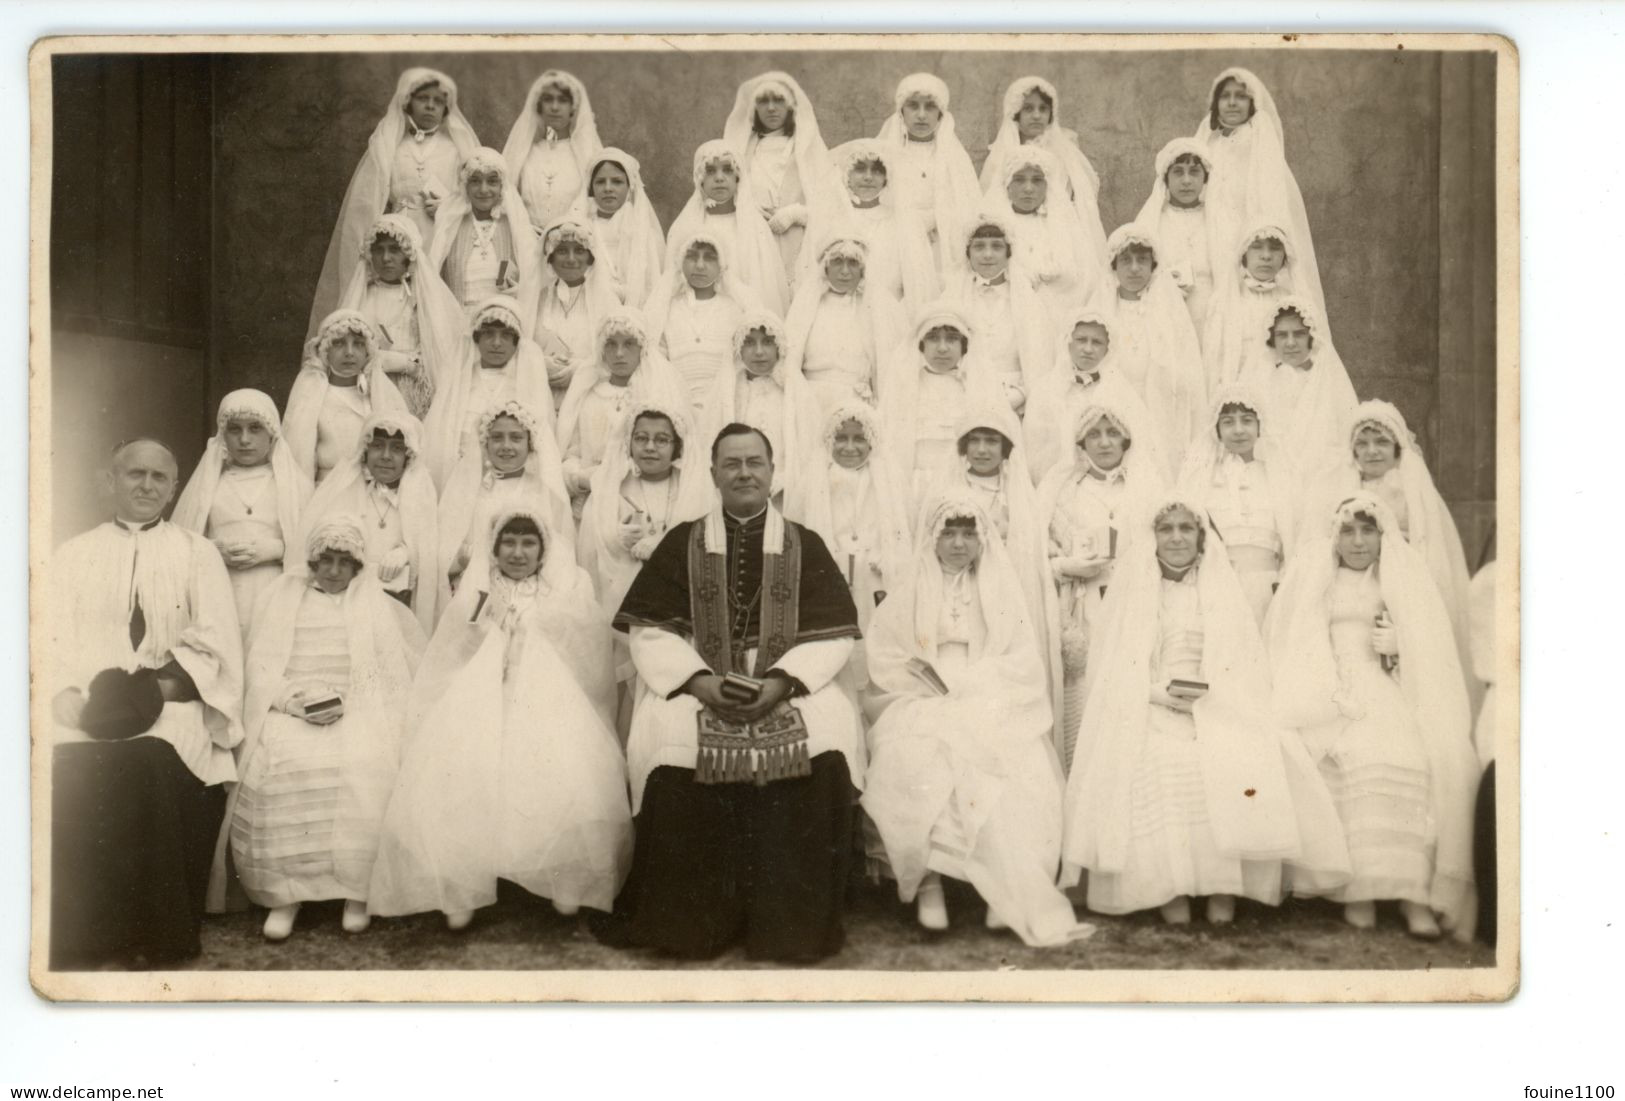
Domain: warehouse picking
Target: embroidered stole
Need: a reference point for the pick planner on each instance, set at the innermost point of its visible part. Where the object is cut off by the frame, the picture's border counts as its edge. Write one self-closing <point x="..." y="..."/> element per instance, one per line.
<point x="774" y="747"/>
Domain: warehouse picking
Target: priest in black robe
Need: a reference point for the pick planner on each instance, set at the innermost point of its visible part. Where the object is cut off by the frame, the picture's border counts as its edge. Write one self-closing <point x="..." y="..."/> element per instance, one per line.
<point x="746" y="749"/>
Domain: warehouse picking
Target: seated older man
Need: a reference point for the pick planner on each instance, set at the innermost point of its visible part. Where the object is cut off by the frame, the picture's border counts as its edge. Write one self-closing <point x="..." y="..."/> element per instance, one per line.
<point x="744" y="748"/>
<point x="146" y="666"/>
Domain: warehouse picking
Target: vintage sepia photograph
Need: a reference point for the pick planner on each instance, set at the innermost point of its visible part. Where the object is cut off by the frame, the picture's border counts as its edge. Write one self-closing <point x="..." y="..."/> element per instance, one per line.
<point x="748" y="517"/>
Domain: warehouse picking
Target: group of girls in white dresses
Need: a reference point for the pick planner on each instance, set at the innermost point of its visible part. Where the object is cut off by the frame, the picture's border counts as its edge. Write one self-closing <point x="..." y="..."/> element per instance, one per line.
<point x="1149" y="598"/>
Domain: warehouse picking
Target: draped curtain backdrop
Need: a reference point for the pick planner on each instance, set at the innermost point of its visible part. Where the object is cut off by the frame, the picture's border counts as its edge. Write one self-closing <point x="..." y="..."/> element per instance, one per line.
<point x="194" y="196"/>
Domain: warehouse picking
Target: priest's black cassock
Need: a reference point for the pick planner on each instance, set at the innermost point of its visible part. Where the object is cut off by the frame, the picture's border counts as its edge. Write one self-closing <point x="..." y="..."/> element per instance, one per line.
<point x="740" y="835"/>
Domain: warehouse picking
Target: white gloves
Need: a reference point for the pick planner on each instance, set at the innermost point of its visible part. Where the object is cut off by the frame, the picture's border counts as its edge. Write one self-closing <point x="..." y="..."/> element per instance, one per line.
<point x="292" y="699"/>
<point x="631" y="534"/>
<point x="1076" y="567"/>
<point x="398" y="363"/>
<point x="1160" y="695"/>
<point x="643" y="548"/>
<point x="391" y="565"/>
<point x="577" y="477"/>
<point x="1014" y="393"/>
<point x="243" y="554"/>
<point x="792" y="214"/>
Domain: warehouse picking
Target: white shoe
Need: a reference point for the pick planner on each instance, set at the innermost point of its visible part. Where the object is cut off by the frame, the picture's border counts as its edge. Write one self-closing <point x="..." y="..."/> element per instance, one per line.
<point x="356" y="919"/>
<point x="1361" y="915"/>
<point x="1221" y="909"/>
<point x="458" y="920"/>
<point x="1420" y="921"/>
<point x="994" y="921"/>
<point x="930" y="906"/>
<point x="568" y="909"/>
<point x="1177" y="912"/>
<point x="279" y="922"/>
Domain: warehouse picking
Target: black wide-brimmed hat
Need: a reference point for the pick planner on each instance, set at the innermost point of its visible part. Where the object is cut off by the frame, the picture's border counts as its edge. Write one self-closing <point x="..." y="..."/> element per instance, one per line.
<point x="121" y="704"/>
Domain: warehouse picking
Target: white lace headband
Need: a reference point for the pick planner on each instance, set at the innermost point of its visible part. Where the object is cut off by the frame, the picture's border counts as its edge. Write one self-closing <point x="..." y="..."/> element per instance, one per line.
<point x="1236" y="394"/>
<point x="957" y="510"/>
<point x="519" y="511"/>
<point x="846" y="248"/>
<point x="260" y="410"/>
<point x="1182" y="147"/>
<point x="342" y="324"/>
<point x="337" y="533"/>
<point x="704" y="161"/>
<point x="1088" y="317"/>
<point x="769" y="86"/>
<point x="557" y="78"/>
<point x="862" y="412"/>
<point x="1351" y="507"/>
<point x="517" y="410"/>
<point x="1031" y="156"/>
<point x="623" y="324"/>
<point x="921" y="84"/>
<point x="679" y="421"/>
<point x="1125" y="236"/>
<point x="942" y="319"/>
<point x="440" y="80"/>
<point x="1174" y="503"/>
<point x="483" y="160"/>
<point x="988" y="221"/>
<point x="561" y="232"/>
<point x="1300" y="306"/>
<point x="700" y="239"/>
<point x="392" y="424"/>
<point x="395" y="232"/>
<point x="767" y="322"/>
<point x="1267" y="233"/>
<point x="863" y="151"/>
<point x="496" y="315"/>
<point x="1379" y="423"/>
<point x="1095" y="414"/>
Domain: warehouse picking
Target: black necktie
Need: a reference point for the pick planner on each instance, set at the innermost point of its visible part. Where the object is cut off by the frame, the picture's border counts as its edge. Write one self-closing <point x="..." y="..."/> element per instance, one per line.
<point x="138" y="625"/>
<point x="138" y="619"/>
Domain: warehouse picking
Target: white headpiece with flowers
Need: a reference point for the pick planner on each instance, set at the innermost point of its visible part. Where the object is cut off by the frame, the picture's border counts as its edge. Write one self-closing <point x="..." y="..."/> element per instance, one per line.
<point x="514" y="409"/>
<point x="340" y="533"/>
<point x="1124" y="236"/>
<point x="483" y="159"/>
<point x="567" y="229"/>
<point x="768" y="322"/>
<point x="866" y="415"/>
<point x="392" y="422"/>
<point x="398" y="228"/>
<point x="249" y="405"/>
<point x="500" y="310"/>
<point x="341" y="323"/>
